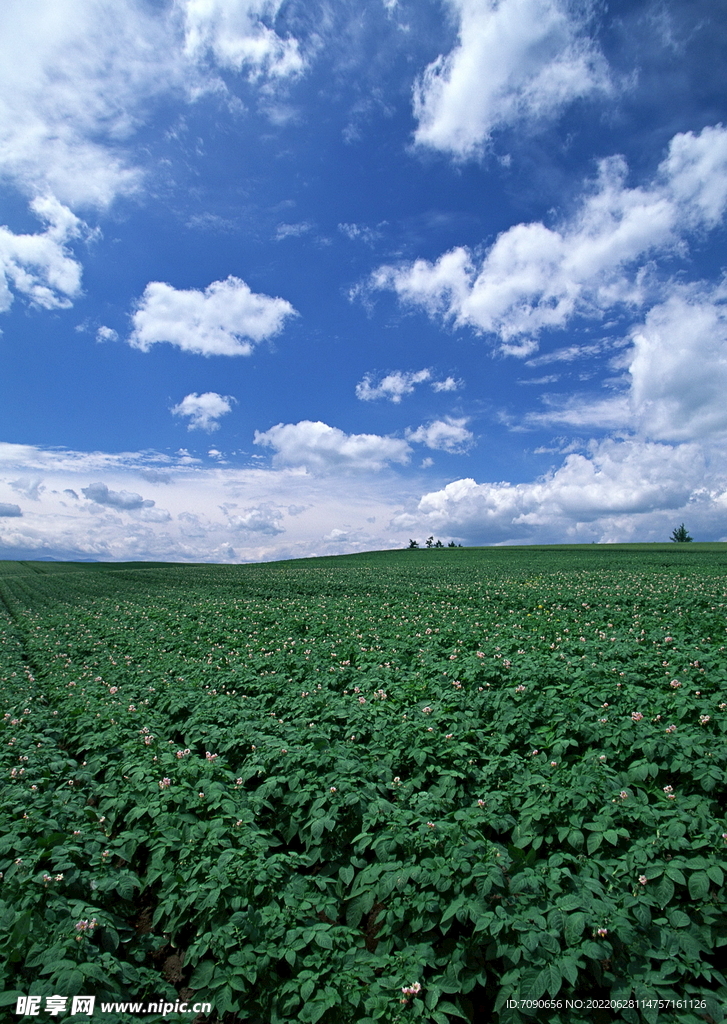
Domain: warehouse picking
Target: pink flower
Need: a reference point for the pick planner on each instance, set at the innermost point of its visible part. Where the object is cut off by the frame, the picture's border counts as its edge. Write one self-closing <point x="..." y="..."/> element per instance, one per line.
<point x="703" y="719"/>
<point x="603" y="932"/>
<point x="113" y="689"/>
<point x="675" y="684"/>
<point x="642" y="879"/>
<point x="670" y="728"/>
<point x="427" y="710"/>
<point x="636" y="716"/>
<point x="164" y="783"/>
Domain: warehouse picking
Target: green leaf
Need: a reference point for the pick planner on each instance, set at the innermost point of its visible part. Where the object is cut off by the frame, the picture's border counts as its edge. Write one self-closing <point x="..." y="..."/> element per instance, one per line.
<point x="715" y="872"/>
<point x="323" y="938"/>
<point x="698" y="885"/>
<point x="551" y="978"/>
<point x="675" y="874"/>
<point x="569" y="969"/>
<point x="574" y="925"/>
<point x="346" y="874"/>
<point x="594" y="841"/>
<point x="533" y="984"/>
<point x="202" y="974"/>
<point x="678" y="919"/>
<point x="664" y="891"/>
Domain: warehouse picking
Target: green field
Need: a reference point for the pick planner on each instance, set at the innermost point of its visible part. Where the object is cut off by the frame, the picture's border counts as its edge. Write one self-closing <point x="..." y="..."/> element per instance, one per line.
<point x="478" y="784"/>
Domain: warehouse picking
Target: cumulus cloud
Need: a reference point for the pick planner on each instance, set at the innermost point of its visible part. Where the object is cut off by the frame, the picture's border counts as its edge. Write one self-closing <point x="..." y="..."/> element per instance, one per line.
<point x="106" y="334"/>
<point x="226" y="319"/>
<point x="323" y="449"/>
<point x="398" y="383"/>
<point x="9" y="511"/>
<point x="262" y="519"/>
<point x="535" y="277"/>
<point x="515" y="60"/>
<point x="234" y="34"/>
<point x="125" y="500"/>
<point x="447" y="435"/>
<point x="676" y="376"/>
<point x="72" y="77"/>
<point x="448" y="384"/>
<point x="79" y="77"/>
<point x="612" y="488"/>
<point x="31" y="487"/>
<point x="393" y="386"/>
<point x="40" y="266"/>
<point x="204" y="411"/>
<point x="611" y="491"/>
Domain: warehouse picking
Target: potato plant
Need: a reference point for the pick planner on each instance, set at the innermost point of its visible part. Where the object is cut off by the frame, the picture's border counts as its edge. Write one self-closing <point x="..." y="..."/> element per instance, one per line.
<point x="427" y="785"/>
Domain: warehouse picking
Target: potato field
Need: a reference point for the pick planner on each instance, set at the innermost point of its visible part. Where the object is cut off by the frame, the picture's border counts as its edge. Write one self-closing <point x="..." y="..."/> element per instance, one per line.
<point x="483" y="785"/>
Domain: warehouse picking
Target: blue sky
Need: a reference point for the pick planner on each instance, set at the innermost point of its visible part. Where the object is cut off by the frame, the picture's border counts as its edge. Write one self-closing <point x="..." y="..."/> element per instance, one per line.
<point x="291" y="278"/>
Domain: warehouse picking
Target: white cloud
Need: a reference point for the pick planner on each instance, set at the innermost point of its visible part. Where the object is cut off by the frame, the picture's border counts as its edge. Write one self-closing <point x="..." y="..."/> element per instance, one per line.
<point x="535" y="277"/>
<point x="106" y="334"/>
<point x="234" y="33"/>
<point x="627" y="490"/>
<point x="393" y="386"/>
<point x="323" y="449"/>
<point x="676" y="374"/>
<point x="215" y="512"/>
<point x="227" y="318"/>
<point x="40" y="266"/>
<point x="292" y="230"/>
<point x="448" y="384"/>
<point x="31" y="488"/>
<point x="79" y="77"/>
<point x="204" y="411"/>
<point x="101" y="495"/>
<point x="261" y="519"/>
<point x="619" y="490"/>
<point x="359" y="232"/>
<point x="679" y="368"/>
<point x="448" y="435"/>
<point x="73" y="74"/>
<point x="398" y="383"/>
<point x="515" y="60"/>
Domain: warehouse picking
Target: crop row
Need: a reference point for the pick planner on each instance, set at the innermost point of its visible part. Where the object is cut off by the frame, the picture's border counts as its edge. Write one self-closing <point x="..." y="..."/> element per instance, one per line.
<point x="424" y="786"/>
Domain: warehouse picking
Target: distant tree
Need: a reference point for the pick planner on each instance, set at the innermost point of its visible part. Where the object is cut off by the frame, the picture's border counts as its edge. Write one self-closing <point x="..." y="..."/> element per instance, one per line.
<point x="413" y="544"/>
<point x="439" y="544"/>
<point x="680" y="535"/>
<point x="451" y="544"/>
<point x="430" y="542"/>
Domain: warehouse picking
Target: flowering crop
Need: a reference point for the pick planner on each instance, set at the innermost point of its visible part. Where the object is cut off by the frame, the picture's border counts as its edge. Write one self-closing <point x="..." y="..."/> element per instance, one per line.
<point x="501" y="773"/>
